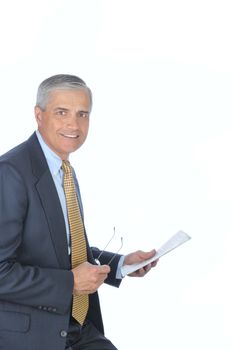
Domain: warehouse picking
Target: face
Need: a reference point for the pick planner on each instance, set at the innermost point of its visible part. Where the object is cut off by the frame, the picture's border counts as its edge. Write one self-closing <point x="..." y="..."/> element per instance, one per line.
<point x="65" y="122"/>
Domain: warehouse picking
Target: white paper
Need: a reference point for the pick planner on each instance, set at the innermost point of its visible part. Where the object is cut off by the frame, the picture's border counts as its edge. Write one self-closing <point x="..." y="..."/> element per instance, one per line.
<point x="175" y="241"/>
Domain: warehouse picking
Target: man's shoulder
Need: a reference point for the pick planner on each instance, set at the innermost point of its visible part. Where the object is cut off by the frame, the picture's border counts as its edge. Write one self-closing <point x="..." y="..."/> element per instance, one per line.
<point x="14" y="153"/>
<point x="18" y="151"/>
<point x="27" y="158"/>
<point x="21" y="155"/>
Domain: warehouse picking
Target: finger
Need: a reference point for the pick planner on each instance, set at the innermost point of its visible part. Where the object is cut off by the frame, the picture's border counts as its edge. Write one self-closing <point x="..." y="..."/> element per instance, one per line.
<point x="151" y="253"/>
<point x="146" y="255"/>
<point x="147" y="268"/>
<point x="140" y="273"/>
<point x="104" y="269"/>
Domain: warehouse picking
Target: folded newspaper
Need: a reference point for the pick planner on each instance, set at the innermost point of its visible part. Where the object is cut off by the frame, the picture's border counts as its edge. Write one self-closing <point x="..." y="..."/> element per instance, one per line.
<point x="175" y="241"/>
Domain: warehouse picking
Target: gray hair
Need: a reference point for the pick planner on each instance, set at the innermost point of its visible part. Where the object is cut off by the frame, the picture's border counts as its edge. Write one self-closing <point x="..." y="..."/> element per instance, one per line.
<point x="59" y="82"/>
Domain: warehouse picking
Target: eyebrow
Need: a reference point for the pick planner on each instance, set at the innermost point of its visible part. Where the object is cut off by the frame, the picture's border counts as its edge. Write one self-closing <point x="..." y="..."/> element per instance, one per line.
<point x="66" y="110"/>
<point x="61" y="109"/>
<point x="87" y="112"/>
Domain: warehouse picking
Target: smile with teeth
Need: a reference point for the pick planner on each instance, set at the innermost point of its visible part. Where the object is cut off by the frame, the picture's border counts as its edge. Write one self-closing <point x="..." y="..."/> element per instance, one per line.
<point x="70" y="136"/>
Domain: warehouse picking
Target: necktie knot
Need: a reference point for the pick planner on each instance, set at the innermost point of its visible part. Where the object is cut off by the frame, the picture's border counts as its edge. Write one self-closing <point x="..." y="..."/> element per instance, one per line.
<point x="66" y="167"/>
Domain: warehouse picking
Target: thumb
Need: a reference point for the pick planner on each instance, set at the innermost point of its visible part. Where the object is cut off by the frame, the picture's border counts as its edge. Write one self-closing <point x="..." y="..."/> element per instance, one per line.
<point x="147" y="255"/>
<point x="104" y="269"/>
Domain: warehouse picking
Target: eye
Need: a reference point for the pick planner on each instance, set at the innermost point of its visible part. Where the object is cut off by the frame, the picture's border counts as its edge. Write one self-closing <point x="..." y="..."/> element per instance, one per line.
<point x="83" y="114"/>
<point x="61" y="112"/>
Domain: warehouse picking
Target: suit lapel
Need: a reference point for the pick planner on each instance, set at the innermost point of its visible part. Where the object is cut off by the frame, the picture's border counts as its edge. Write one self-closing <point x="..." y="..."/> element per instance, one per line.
<point x="50" y="201"/>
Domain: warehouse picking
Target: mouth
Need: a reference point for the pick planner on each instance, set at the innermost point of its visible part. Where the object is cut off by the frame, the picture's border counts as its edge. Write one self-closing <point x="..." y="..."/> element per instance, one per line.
<point x="70" y="136"/>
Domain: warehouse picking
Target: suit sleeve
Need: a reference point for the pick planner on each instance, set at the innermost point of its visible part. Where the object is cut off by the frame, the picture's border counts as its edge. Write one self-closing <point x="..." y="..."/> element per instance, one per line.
<point x="104" y="260"/>
<point x="27" y="285"/>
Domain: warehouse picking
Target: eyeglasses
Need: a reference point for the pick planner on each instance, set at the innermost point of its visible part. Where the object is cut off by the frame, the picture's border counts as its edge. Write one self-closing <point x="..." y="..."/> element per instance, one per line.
<point x="97" y="261"/>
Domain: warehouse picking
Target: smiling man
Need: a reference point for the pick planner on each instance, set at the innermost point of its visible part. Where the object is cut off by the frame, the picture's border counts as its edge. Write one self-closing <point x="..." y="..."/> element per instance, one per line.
<point x="64" y="122"/>
<point x="48" y="275"/>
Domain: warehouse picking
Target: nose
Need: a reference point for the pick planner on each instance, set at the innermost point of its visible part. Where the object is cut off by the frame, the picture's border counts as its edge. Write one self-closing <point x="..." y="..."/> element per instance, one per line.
<point x="73" y="122"/>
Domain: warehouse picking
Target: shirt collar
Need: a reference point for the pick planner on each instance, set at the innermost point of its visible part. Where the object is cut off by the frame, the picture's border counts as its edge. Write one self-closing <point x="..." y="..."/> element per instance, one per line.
<point x="53" y="160"/>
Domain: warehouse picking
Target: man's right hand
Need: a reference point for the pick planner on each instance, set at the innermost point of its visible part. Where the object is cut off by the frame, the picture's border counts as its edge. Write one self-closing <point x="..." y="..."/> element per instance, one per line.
<point x="88" y="277"/>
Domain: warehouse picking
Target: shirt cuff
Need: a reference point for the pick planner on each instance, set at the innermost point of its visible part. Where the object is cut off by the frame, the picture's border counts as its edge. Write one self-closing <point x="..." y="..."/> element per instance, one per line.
<point x="119" y="275"/>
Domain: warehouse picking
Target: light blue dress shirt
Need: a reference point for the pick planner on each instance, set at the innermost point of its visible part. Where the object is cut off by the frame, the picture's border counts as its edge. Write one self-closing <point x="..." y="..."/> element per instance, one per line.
<point x="54" y="165"/>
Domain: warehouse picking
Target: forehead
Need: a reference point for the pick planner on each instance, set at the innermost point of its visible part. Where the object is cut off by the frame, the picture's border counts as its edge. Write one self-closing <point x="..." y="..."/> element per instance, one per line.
<point x="69" y="98"/>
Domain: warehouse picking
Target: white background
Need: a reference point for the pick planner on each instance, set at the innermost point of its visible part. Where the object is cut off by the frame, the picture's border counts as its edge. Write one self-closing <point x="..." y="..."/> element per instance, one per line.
<point x="158" y="156"/>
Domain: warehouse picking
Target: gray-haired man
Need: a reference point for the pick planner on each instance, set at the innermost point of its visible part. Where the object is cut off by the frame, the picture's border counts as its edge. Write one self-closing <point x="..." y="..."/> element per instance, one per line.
<point x="37" y="281"/>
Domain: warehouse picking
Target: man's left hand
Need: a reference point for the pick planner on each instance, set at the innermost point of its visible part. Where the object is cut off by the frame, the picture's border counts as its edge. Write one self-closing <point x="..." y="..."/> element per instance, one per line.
<point x="138" y="257"/>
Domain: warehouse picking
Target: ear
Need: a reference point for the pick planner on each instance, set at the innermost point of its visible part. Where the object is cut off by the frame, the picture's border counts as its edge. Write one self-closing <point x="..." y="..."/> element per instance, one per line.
<point x="38" y="115"/>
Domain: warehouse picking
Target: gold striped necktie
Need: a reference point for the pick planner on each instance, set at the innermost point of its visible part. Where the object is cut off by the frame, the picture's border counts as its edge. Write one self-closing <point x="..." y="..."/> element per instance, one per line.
<point x="78" y="242"/>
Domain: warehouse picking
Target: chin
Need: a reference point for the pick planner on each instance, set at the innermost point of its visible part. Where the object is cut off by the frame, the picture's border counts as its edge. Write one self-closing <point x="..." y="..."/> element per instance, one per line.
<point x="72" y="149"/>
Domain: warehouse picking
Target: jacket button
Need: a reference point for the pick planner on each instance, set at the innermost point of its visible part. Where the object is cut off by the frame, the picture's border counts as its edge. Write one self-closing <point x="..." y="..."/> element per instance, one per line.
<point x="63" y="334"/>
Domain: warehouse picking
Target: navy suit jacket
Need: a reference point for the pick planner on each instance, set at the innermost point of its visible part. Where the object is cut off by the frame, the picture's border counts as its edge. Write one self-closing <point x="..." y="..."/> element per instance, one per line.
<point x="36" y="283"/>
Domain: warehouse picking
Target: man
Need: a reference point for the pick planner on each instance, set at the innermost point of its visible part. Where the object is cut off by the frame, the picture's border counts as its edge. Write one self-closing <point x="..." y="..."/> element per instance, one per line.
<point x="43" y="289"/>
